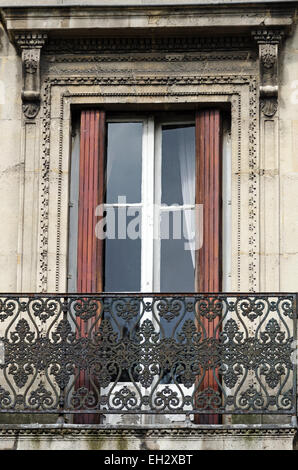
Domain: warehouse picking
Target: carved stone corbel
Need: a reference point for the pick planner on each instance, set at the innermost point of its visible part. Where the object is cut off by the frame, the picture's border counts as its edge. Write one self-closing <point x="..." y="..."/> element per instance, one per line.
<point x="30" y="45"/>
<point x="268" y="41"/>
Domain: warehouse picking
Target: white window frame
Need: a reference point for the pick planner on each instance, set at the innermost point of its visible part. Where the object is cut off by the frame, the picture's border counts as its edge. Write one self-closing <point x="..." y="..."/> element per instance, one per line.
<point x="151" y="197"/>
<point x="158" y="188"/>
<point x="150" y="204"/>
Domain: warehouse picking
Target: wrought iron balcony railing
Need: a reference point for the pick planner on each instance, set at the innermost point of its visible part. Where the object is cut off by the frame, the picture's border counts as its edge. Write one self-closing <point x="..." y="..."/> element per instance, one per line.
<point x="201" y="355"/>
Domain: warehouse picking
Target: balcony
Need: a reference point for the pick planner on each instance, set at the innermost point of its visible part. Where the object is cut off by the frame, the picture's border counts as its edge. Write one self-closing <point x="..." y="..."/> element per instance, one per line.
<point x="191" y="358"/>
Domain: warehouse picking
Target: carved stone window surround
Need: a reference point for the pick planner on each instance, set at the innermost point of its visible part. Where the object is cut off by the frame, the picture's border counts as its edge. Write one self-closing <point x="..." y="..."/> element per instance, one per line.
<point x="59" y="94"/>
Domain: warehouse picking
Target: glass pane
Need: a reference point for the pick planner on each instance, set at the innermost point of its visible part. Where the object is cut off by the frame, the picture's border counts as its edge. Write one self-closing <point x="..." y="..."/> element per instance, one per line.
<point x="124" y="161"/>
<point x="177" y="273"/>
<point x="178" y="164"/>
<point x="123" y="250"/>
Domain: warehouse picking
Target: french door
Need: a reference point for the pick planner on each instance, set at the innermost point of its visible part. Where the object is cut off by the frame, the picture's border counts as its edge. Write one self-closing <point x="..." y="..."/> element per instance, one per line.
<point x="153" y="217"/>
<point x="146" y="206"/>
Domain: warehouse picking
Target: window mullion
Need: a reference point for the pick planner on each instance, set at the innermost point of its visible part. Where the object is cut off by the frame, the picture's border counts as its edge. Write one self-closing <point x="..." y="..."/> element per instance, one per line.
<point x="148" y="206"/>
<point x="157" y="206"/>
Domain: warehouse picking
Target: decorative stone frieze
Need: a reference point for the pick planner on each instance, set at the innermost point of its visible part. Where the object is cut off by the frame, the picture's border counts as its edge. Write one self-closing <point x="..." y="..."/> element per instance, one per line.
<point x="30" y="45"/>
<point x="169" y="44"/>
<point x="268" y="42"/>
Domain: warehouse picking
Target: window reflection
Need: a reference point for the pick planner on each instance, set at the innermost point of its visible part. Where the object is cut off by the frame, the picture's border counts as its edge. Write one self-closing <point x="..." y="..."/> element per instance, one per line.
<point x="178" y="164"/>
<point x="124" y="161"/>
<point x="122" y="255"/>
<point x="177" y="271"/>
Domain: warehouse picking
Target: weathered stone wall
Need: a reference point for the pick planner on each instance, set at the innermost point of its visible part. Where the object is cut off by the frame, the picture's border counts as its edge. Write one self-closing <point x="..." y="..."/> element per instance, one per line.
<point x="11" y="165"/>
<point x="288" y="161"/>
<point x="125" y="438"/>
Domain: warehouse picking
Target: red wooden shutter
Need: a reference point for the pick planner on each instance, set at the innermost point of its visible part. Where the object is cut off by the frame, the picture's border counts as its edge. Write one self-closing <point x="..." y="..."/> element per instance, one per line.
<point x="209" y="194"/>
<point x="91" y="194"/>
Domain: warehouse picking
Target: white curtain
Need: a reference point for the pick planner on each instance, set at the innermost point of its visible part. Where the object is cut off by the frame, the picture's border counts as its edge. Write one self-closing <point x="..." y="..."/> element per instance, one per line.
<point x="186" y="146"/>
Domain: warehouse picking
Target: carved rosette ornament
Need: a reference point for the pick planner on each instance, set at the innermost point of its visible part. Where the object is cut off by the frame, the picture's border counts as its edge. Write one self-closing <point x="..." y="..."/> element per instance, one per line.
<point x="30" y="45"/>
<point x="268" y="42"/>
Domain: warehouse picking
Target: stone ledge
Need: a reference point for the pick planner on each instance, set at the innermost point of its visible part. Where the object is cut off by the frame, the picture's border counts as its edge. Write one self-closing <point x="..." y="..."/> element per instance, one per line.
<point x="88" y="437"/>
<point x="69" y="3"/>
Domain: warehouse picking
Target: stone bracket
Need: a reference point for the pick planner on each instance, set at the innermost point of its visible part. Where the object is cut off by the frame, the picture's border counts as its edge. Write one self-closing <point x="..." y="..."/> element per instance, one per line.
<point x="30" y="45"/>
<point x="268" y="42"/>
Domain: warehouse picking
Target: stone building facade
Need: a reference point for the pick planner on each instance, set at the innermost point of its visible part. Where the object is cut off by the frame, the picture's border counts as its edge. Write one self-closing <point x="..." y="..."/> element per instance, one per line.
<point x="57" y="57"/>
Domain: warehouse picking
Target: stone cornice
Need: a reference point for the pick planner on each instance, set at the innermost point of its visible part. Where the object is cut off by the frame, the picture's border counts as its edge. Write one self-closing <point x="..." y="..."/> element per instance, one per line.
<point x="202" y="17"/>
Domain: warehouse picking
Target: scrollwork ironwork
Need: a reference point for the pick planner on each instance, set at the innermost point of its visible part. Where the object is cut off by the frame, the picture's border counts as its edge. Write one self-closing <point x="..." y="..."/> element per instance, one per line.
<point x="133" y="353"/>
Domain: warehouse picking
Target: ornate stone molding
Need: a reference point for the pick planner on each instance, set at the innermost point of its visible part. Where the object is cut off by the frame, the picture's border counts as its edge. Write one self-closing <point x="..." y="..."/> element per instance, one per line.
<point x="268" y="42"/>
<point x="68" y="430"/>
<point x="169" y="83"/>
<point x="30" y="45"/>
<point x="171" y="44"/>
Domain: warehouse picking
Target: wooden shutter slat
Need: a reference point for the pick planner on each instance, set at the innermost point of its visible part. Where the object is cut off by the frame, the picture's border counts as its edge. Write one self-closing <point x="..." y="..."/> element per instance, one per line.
<point x="101" y="196"/>
<point x="209" y="194"/>
<point x="91" y="194"/>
